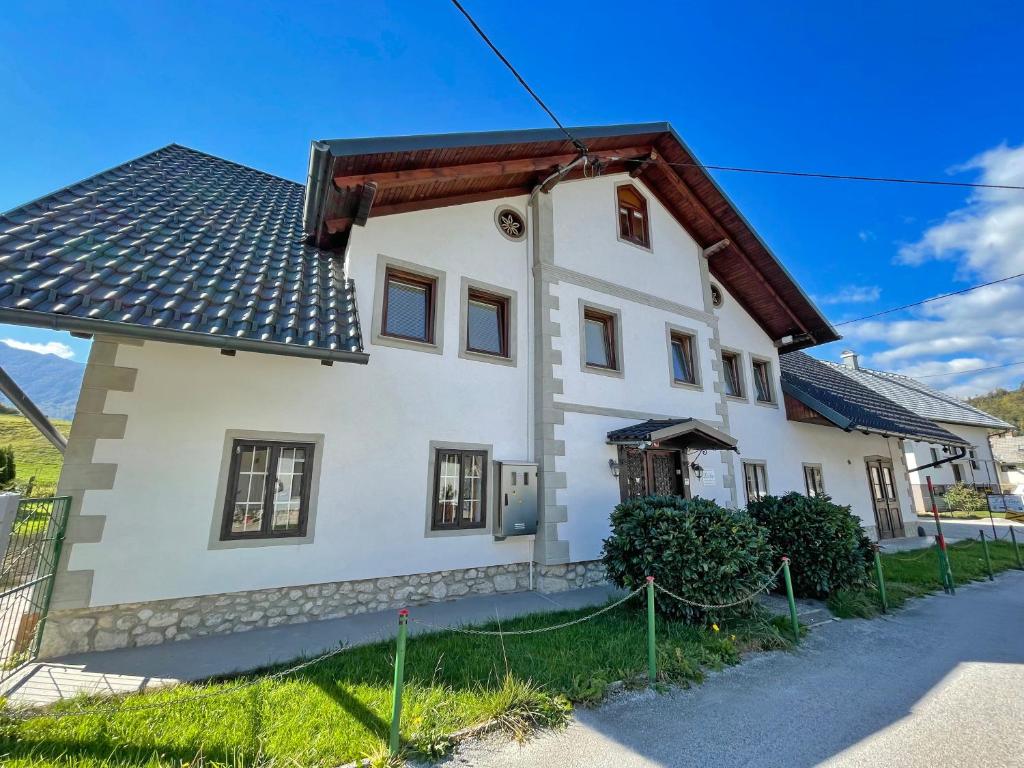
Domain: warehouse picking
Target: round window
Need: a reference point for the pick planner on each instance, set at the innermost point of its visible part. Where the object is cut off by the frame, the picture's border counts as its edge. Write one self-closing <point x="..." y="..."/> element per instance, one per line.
<point x="510" y="223"/>
<point x="716" y="296"/>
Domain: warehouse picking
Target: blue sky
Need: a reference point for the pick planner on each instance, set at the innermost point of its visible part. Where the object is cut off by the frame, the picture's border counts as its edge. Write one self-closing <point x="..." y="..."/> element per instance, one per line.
<point x="917" y="90"/>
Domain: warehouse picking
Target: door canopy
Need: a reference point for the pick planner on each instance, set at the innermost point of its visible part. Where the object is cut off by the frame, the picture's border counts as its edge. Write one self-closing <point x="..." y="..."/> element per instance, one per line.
<point x="673" y="433"/>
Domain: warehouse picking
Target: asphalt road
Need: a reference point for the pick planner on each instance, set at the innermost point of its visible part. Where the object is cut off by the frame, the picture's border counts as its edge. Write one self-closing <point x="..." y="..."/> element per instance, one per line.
<point x="940" y="683"/>
<point x="955" y="530"/>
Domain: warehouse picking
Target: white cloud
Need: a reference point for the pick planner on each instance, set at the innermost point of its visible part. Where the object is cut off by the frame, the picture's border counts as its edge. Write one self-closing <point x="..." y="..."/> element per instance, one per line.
<point x="49" y="348"/>
<point x="984" y="240"/>
<point x="865" y="235"/>
<point x="852" y="294"/>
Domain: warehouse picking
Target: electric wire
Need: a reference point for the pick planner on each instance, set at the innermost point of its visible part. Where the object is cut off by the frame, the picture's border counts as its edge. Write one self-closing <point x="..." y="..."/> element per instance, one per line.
<point x="970" y="370"/>
<point x="483" y="35"/>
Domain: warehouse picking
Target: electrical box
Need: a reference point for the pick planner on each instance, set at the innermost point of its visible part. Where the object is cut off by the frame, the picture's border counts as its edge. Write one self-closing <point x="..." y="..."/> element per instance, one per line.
<point x="516" y="504"/>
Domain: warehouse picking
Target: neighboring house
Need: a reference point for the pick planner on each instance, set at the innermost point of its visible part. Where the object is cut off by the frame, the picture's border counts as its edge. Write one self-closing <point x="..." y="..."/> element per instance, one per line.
<point x="977" y="467"/>
<point x="537" y="337"/>
<point x="1009" y="457"/>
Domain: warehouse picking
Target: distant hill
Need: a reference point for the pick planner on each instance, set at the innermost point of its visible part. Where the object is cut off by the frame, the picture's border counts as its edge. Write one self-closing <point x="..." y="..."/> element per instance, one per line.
<point x="52" y="382"/>
<point x="1008" y="405"/>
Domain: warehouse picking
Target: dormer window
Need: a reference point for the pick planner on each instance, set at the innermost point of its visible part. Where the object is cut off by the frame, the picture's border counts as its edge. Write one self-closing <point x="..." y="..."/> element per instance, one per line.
<point x="633" y="225"/>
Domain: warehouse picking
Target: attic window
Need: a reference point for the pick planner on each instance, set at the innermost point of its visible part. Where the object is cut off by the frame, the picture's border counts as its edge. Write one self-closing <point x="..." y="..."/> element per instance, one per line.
<point x="510" y="223"/>
<point x="716" y="296"/>
<point x="632" y="207"/>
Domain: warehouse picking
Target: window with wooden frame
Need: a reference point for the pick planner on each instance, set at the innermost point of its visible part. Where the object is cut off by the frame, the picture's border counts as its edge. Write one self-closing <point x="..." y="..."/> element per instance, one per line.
<point x="755" y="476"/>
<point x="268" y="490"/>
<point x="731" y="368"/>
<point x="814" y="482"/>
<point x="763" y="381"/>
<point x="599" y="339"/>
<point x="460" y="489"/>
<point x="958" y="473"/>
<point x="935" y="454"/>
<point x="633" y="224"/>
<point x="487" y="323"/>
<point x="683" y="370"/>
<point x="973" y="454"/>
<point x="409" y="306"/>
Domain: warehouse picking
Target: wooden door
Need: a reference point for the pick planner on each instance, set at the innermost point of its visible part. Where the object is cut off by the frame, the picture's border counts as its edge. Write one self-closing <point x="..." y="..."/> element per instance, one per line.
<point x="882" y="483"/>
<point x="664" y="473"/>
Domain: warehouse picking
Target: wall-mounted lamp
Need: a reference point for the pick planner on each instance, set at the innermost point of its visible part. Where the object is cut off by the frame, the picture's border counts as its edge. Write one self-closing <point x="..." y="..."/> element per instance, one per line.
<point x="698" y="470"/>
<point x="613" y="465"/>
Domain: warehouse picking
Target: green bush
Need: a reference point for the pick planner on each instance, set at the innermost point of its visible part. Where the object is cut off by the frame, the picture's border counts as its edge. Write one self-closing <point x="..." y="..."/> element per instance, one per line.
<point x="824" y="541"/>
<point x="8" y="466"/>
<point x="963" y="498"/>
<point x="691" y="547"/>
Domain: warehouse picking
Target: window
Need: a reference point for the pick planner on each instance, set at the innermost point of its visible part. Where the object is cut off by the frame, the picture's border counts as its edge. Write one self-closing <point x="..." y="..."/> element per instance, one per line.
<point x="763" y="381"/>
<point x="460" y="487"/>
<point x="814" y="483"/>
<point x="487" y="324"/>
<point x="632" y="216"/>
<point x="268" y="490"/>
<point x="974" y="458"/>
<point x="716" y="296"/>
<point x="958" y="475"/>
<point x="935" y="454"/>
<point x="599" y="339"/>
<point x="756" y="478"/>
<point x="733" y="384"/>
<point x="409" y="306"/>
<point x="683" y="371"/>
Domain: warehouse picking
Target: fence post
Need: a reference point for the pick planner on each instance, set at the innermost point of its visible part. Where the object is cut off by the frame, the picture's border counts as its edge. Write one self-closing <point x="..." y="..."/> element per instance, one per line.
<point x="792" y="600"/>
<point x="652" y="665"/>
<point x="396" y="694"/>
<point x="880" y="577"/>
<point x="1016" y="552"/>
<point x="988" y="560"/>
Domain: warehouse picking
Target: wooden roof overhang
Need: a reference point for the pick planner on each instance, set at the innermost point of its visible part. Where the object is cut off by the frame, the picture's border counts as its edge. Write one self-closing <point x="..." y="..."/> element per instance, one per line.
<point x="351" y="181"/>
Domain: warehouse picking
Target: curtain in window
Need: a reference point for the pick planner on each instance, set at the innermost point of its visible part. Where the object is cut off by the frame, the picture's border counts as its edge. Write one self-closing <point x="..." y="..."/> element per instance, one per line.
<point x="764" y="392"/>
<point x="732" y="382"/>
<point x="681" y="364"/>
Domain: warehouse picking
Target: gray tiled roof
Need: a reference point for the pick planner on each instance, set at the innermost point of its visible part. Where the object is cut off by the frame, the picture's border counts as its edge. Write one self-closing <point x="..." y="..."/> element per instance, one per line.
<point x="920" y="398"/>
<point x="850" y="405"/>
<point x="181" y="246"/>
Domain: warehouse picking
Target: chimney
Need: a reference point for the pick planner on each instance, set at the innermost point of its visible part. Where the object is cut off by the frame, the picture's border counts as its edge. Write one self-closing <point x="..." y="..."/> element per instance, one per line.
<point x="850" y="358"/>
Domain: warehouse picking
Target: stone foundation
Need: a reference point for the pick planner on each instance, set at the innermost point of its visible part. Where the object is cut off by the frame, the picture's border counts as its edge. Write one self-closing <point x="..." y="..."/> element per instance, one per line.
<point x="127" y="625"/>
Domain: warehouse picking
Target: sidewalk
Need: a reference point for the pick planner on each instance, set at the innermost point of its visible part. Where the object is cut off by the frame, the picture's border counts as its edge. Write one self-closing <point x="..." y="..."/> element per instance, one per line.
<point x="134" y="669"/>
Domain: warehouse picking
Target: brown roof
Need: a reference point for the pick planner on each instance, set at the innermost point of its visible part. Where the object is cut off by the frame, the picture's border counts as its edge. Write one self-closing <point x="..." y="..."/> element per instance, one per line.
<point x="350" y="179"/>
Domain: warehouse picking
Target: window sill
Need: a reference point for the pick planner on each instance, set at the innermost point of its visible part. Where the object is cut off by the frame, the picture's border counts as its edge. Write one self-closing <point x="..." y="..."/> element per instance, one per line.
<point x="483" y="357"/>
<point x="442" y="532"/>
<point x="270" y="541"/>
<point x="737" y="398"/>
<point x="768" y="404"/>
<point x="382" y="340"/>
<point x="695" y="386"/>
<point x="613" y="372"/>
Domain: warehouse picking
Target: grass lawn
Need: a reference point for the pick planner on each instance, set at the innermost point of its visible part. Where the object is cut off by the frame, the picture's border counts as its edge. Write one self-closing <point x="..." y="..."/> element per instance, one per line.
<point x="32" y="452"/>
<point x="916" y="573"/>
<point x="338" y="710"/>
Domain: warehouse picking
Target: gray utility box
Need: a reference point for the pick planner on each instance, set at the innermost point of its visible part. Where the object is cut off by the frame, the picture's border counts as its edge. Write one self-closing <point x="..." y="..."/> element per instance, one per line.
<point x="516" y="501"/>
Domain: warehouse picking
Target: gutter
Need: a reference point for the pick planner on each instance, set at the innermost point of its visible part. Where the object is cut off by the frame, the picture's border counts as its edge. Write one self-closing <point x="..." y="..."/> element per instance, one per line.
<point x="316" y="189"/>
<point x="940" y="462"/>
<point x="31" y="411"/>
<point x="192" y="338"/>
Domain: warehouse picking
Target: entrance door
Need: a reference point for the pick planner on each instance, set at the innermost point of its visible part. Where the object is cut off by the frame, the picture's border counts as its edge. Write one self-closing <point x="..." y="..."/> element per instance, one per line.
<point x="883" y="495"/>
<point x="653" y="471"/>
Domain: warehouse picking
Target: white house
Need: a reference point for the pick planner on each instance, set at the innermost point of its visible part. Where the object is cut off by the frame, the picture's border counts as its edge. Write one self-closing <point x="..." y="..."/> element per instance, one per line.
<point x="1008" y="451"/>
<point x="431" y="371"/>
<point x="974" y="465"/>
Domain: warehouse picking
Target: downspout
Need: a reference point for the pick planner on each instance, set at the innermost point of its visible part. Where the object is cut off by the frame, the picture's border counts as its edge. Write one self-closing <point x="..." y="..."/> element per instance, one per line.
<point x="31" y="411"/>
<point x="940" y="462"/>
<point x="312" y="208"/>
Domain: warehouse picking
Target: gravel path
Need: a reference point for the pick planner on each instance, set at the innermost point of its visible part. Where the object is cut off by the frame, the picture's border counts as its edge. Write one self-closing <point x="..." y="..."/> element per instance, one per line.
<point x="940" y="683"/>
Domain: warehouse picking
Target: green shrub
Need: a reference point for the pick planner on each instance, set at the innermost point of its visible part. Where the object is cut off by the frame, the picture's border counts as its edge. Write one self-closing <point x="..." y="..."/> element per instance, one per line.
<point x="692" y="547"/>
<point x="962" y="498"/>
<point x="824" y="541"/>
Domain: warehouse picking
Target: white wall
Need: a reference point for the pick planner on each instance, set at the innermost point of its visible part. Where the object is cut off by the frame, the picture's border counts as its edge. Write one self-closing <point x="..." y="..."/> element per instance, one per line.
<point x="919" y="454"/>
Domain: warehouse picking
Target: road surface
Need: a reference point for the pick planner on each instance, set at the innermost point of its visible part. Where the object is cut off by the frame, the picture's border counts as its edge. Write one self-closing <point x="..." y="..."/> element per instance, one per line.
<point x="940" y="683"/>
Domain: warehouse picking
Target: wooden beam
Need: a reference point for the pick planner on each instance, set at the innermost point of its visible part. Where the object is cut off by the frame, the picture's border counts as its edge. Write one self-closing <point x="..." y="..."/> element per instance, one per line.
<point x="414" y="176"/>
<point x="683" y="189"/>
<point x="337" y="225"/>
<point x="641" y="167"/>
<point x="365" y="204"/>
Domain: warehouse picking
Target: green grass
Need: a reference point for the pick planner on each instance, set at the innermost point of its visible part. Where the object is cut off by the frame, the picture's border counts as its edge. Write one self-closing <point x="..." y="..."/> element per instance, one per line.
<point x="916" y="573"/>
<point x="338" y="710"/>
<point x="32" y="452"/>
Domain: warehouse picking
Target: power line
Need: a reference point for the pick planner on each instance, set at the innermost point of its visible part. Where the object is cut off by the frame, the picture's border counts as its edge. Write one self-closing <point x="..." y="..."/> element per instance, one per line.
<point x="970" y="370"/>
<point x="933" y="298"/>
<point x="576" y="142"/>
<point x="835" y="176"/>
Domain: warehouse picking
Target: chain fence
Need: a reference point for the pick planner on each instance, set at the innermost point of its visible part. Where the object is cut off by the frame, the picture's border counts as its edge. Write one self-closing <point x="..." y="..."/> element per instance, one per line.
<point x="711" y="606"/>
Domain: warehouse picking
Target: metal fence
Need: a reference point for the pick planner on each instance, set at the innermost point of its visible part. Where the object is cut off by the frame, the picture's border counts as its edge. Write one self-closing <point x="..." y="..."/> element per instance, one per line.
<point x="30" y="551"/>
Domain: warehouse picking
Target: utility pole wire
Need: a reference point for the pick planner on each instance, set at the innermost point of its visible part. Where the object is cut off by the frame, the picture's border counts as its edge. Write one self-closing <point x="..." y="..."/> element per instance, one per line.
<point x="483" y="35"/>
<point x="933" y="298"/>
<point x="969" y="370"/>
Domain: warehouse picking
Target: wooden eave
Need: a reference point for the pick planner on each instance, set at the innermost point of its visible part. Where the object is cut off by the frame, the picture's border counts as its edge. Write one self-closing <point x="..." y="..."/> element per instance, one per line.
<point x="418" y="176"/>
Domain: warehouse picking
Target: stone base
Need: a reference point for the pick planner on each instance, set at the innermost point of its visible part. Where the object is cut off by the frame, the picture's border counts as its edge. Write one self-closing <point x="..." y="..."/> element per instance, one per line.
<point x="128" y="625"/>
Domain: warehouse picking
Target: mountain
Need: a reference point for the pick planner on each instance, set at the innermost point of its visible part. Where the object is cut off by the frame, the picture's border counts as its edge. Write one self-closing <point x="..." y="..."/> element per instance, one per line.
<point x="52" y="382"/>
<point x="1008" y="405"/>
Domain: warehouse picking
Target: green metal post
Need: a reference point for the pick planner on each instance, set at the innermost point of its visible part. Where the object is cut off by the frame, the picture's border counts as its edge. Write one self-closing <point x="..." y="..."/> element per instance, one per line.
<point x="880" y="577"/>
<point x="59" y="513"/>
<point x="396" y="694"/>
<point x="1016" y="552"/>
<point x="791" y="599"/>
<point x="652" y="664"/>
<point x="988" y="559"/>
<point x="945" y="571"/>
